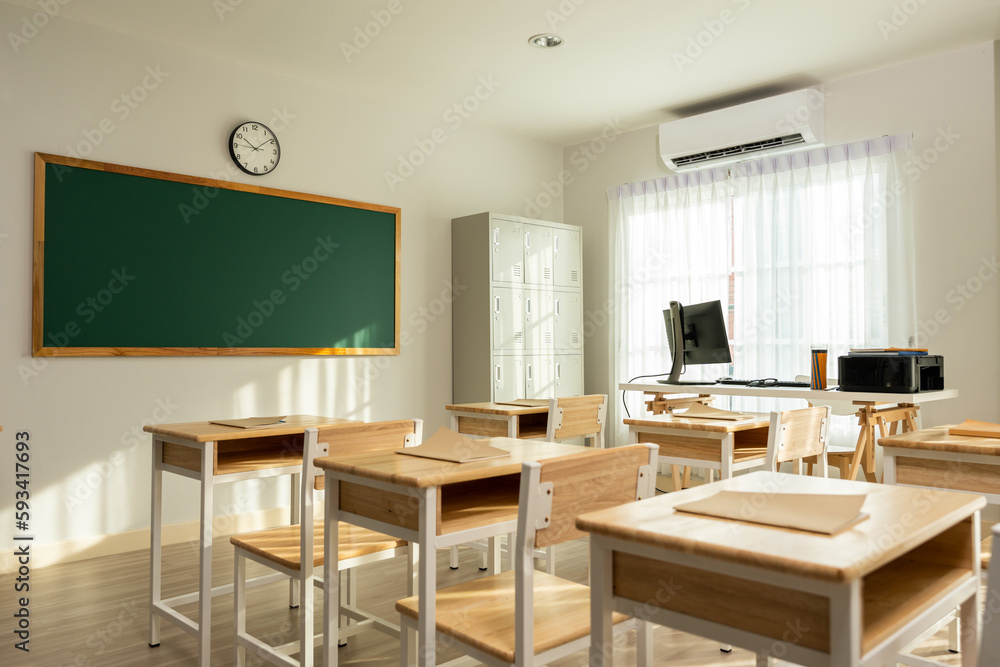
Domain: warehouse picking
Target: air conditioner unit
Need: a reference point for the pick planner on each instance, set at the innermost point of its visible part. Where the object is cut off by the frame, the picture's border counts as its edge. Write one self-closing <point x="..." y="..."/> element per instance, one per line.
<point x="775" y="125"/>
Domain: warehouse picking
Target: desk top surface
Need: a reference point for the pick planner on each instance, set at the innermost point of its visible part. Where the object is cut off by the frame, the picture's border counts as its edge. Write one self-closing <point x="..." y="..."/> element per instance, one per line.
<point x="209" y="432"/>
<point x="937" y="440"/>
<point x="814" y="396"/>
<point x="846" y="556"/>
<point x="414" y="471"/>
<point x="491" y="408"/>
<point x="756" y="420"/>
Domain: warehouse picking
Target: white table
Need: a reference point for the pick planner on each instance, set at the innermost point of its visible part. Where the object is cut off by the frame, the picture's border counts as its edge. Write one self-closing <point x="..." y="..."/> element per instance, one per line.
<point x="868" y="406"/>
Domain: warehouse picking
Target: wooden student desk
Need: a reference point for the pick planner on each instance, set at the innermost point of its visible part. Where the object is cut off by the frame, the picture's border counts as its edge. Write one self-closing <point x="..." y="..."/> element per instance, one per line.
<point x="931" y="457"/>
<point x="494" y="420"/>
<point x="434" y="504"/>
<point x="231" y="454"/>
<point x="715" y="444"/>
<point x="855" y="598"/>
<point x="874" y="410"/>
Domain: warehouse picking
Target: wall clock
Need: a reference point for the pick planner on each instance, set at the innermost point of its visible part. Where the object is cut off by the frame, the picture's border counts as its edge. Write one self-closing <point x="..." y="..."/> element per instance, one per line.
<point x="254" y="148"/>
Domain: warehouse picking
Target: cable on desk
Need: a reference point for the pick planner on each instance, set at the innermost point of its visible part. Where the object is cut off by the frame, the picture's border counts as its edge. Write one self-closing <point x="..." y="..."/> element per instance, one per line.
<point x="654" y="375"/>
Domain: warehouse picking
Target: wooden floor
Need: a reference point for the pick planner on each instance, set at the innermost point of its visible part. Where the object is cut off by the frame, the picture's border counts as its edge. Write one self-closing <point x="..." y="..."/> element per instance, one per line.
<point x="94" y="613"/>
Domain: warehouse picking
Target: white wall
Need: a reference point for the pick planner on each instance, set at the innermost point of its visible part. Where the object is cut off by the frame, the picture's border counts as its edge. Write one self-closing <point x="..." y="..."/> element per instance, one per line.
<point x="90" y="472"/>
<point x="955" y="210"/>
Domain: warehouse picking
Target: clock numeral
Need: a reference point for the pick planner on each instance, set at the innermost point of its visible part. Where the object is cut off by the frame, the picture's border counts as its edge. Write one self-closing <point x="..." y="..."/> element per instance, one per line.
<point x="245" y="164"/>
<point x="265" y="168"/>
<point x="235" y="145"/>
<point x="275" y="151"/>
<point x="272" y="141"/>
<point x="238" y="156"/>
<point x="254" y="127"/>
<point x="244" y="128"/>
<point x="239" y="135"/>
<point x="272" y="161"/>
<point x="255" y="170"/>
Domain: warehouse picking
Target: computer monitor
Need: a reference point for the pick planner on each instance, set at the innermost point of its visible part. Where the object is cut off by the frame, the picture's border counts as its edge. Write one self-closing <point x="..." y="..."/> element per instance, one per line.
<point x="697" y="335"/>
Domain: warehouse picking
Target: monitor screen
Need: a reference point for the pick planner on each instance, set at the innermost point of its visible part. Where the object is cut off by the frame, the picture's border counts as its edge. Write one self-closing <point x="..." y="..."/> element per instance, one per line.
<point x="702" y="328"/>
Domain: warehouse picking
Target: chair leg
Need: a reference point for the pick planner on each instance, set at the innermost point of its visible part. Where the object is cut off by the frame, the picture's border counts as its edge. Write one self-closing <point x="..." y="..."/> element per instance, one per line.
<point x="407" y="641"/>
<point x="953" y="636"/>
<point x="764" y="660"/>
<point x="345" y="599"/>
<point x="675" y="473"/>
<point x="306" y="633"/>
<point x="240" y="607"/>
<point x="686" y="481"/>
<point x="550" y="559"/>
<point x="453" y="558"/>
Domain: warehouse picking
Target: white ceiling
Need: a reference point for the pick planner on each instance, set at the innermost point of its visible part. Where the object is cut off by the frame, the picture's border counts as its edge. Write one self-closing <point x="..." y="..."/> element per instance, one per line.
<point x="619" y="58"/>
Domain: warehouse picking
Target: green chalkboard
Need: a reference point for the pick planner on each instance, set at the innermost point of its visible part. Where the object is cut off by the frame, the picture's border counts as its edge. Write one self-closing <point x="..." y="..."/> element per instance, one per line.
<point x="137" y="262"/>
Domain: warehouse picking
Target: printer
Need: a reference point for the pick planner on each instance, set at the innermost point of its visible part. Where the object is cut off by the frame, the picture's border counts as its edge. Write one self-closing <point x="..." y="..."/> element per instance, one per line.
<point x="893" y="373"/>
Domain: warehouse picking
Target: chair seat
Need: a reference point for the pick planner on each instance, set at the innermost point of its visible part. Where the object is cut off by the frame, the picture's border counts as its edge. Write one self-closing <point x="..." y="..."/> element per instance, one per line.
<point x="281" y="545"/>
<point x="985" y="551"/>
<point x="480" y="613"/>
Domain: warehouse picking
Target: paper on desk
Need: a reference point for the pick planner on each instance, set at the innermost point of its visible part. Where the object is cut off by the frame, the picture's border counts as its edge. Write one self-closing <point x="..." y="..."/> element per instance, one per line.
<point x="977" y="429"/>
<point x="814" y="512"/>
<point x="251" y="422"/>
<point x="446" y="445"/>
<point x="526" y="402"/>
<point x="702" y="411"/>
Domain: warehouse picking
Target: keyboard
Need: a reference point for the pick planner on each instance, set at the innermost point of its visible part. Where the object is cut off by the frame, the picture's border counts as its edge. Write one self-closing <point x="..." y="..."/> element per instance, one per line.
<point x="780" y="383"/>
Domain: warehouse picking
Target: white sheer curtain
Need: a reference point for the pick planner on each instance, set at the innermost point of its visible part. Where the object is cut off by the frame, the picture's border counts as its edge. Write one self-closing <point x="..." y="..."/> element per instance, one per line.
<point x="818" y="245"/>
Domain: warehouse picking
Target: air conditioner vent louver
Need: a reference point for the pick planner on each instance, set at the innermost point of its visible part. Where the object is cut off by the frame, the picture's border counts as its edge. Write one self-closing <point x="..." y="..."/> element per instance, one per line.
<point x="752" y="147"/>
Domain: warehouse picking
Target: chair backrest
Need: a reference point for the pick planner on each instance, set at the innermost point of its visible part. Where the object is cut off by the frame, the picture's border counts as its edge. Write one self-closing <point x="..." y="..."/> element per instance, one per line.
<point x="575" y="416"/>
<point x="989" y="653"/>
<point x="339" y="440"/>
<point x="554" y="492"/>
<point x="796" y="434"/>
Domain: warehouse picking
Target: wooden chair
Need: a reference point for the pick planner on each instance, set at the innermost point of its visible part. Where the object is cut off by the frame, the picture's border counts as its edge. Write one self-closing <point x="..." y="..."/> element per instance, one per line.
<point x="795" y="435"/>
<point x="578" y="416"/>
<point x="549" y="617"/>
<point x="297" y="550"/>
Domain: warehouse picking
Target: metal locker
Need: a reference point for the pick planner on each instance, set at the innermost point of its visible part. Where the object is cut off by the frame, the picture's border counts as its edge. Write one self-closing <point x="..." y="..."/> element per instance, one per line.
<point x="508" y="319"/>
<point x="539" y="376"/>
<point x="568" y="375"/>
<point x="507" y="243"/>
<point x="567" y="258"/>
<point x="508" y="378"/>
<point x="568" y="311"/>
<point x="537" y="255"/>
<point x="539" y="321"/>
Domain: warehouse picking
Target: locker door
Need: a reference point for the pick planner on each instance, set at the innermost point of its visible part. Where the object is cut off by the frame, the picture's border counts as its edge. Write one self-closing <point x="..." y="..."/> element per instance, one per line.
<point x="567" y="258"/>
<point x="568" y="312"/>
<point x="539" y="376"/>
<point x="539" y="321"/>
<point x="507" y="241"/>
<point x="508" y="378"/>
<point x="569" y="375"/>
<point x="508" y="319"/>
<point x="537" y="254"/>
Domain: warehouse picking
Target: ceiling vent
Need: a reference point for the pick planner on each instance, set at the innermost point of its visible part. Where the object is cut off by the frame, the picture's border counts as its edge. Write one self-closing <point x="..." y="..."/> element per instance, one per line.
<point x="781" y="124"/>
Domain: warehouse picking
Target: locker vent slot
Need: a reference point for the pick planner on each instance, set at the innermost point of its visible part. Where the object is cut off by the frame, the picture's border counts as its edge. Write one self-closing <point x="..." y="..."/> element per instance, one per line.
<point x="548" y="337"/>
<point x="547" y="273"/>
<point x="574" y="276"/>
<point x="575" y="337"/>
<point x="517" y="337"/>
<point x="517" y="271"/>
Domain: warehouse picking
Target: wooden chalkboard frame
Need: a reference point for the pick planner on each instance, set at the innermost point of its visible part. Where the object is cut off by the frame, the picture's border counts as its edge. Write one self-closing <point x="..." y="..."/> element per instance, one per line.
<point x="38" y="346"/>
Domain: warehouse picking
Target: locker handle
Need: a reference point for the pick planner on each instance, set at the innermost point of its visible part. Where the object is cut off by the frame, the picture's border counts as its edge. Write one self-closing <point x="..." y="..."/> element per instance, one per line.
<point x="558" y="371"/>
<point x="527" y="239"/>
<point x="527" y="305"/>
<point x="555" y="242"/>
<point x="496" y="304"/>
<point x="496" y="236"/>
<point x="528" y="370"/>
<point x="498" y="372"/>
<point x="557" y="307"/>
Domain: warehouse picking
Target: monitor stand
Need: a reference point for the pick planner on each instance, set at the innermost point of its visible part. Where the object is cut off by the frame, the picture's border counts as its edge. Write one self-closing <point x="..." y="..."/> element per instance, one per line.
<point x="685" y="382"/>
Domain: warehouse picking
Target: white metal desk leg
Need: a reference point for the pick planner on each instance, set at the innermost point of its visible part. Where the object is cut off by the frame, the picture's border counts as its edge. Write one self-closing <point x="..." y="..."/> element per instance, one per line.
<point x="293" y="587"/>
<point x="512" y="426"/>
<point x="408" y="630"/>
<point x="970" y="619"/>
<point x="601" y="644"/>
<point x="205" y="557"/>
<point x="888" y="468"/>
<point x="155" y="540"/>
<point x="845" y="625"/>
<point x="728" y="444"/>
<point x="331" y="580"/>
<point x="426" y="634"/>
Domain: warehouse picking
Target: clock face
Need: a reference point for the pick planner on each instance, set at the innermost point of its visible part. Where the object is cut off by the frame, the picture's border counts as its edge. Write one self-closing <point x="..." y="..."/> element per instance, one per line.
<point x="254" y="148"/>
